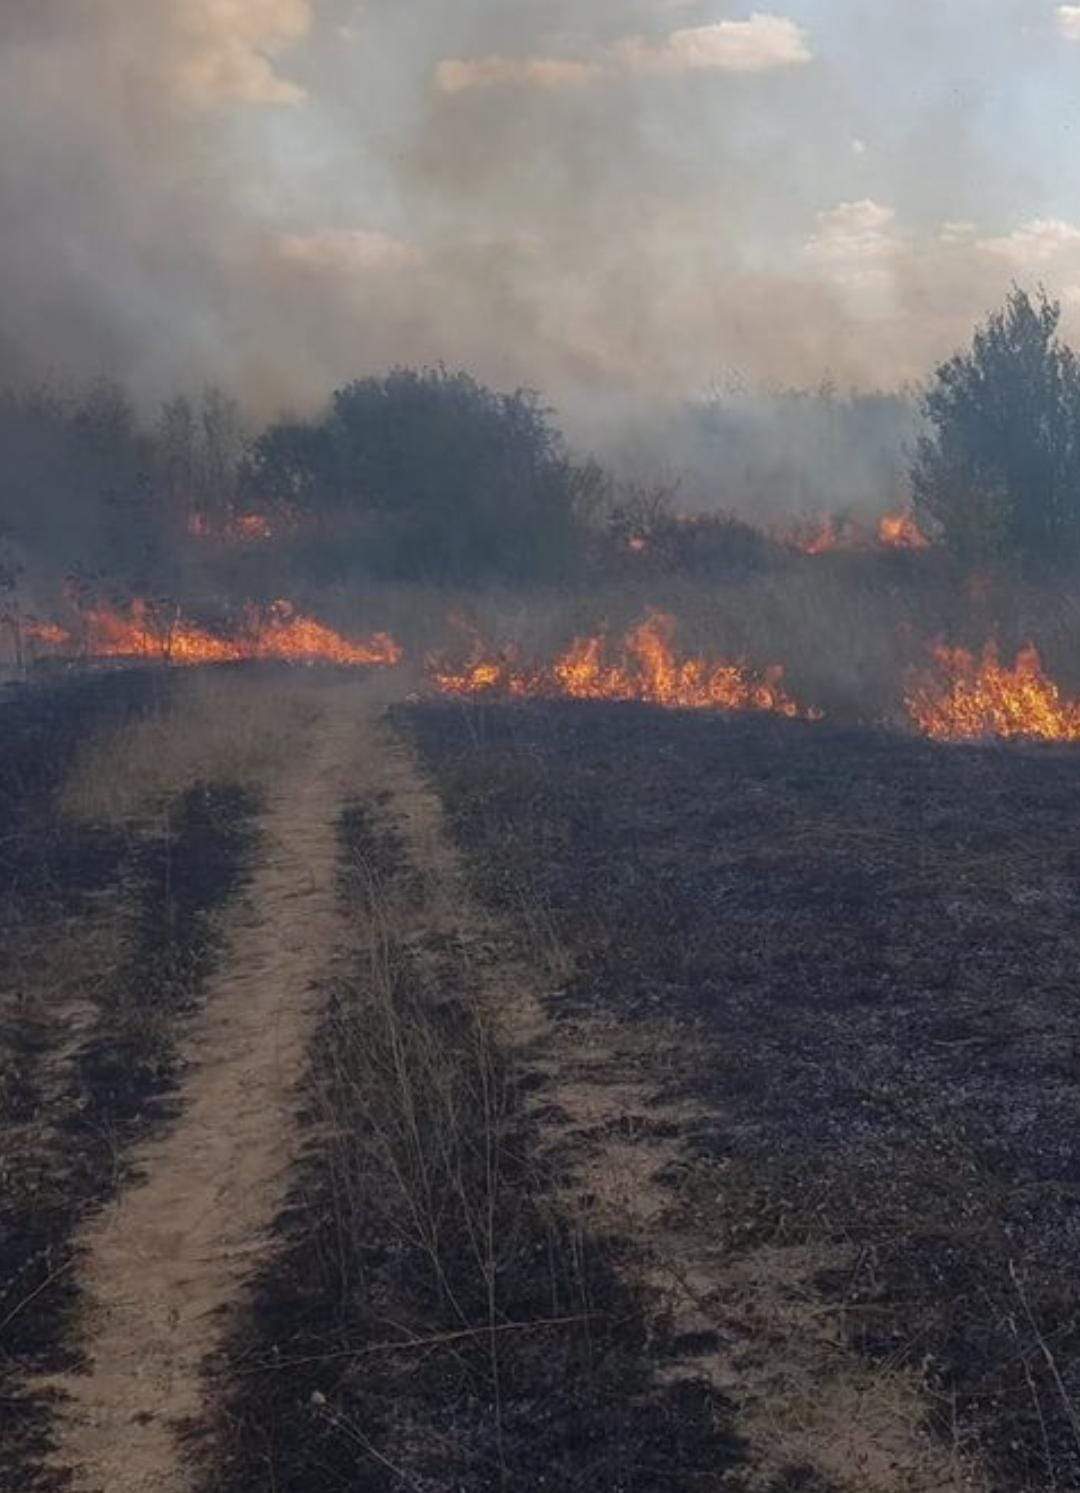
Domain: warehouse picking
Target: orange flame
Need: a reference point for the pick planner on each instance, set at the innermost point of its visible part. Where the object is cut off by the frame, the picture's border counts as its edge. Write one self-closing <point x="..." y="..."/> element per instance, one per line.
<point x="283" y="633"/>
<point x="44" y="632"/>
<point x="646" y="669"/>
<point x="278" y="632"/>
<point x="238" y="528"/>
<point x="827" y="534"/>
<point x="969" y="699"/>
<point x="900" y="531"/>
<point x="812" y="536"/>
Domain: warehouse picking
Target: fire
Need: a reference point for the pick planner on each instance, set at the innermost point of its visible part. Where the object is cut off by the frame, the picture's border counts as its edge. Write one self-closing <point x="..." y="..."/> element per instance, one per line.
<point x="966" y="698"/>
<point x="900" y="531"/>
<point x="44" y="632"/>
<point x="277" y="632"/>
<point x="237" y="528"/>
<point x="814" y="536"/>
<point x="250" y="527"/>
<point x="645" y="667"/>
<point x="283" y="633"/>
<point x="824" y="535"/>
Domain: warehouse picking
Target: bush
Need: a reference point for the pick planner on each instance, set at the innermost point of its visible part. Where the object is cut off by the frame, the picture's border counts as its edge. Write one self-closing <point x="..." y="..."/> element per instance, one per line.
<point x="435" y="477"/>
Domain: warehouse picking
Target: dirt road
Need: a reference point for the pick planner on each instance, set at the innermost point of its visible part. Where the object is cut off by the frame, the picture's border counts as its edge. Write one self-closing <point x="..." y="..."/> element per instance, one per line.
<point x="165" y="1259"/>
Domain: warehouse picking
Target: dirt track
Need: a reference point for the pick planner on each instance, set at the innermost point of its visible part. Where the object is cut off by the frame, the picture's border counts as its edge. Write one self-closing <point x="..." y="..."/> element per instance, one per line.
<point x="171" y="1253"/>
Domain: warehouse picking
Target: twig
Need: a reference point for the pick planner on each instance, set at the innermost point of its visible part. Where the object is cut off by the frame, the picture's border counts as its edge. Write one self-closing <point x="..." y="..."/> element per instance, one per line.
<point x="53" y="1275"/>
<point x="423" y="1342"/>
<point x="1051" y="1361"/>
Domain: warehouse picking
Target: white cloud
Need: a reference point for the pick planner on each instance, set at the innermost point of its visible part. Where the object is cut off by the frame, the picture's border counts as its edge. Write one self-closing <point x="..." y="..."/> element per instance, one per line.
<point x="455" y="75"/>
<point x="348" y="251"/>
<point x="225" y="50"/>
<point x="1069" y="21"/>
<point x="757" y="45"/>
<point x="854" y="234"/>
<point x="1040" y="242"/>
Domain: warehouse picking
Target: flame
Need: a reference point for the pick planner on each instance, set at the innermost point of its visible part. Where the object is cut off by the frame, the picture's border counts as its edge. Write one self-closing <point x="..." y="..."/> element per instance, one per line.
<point x="812" y="536"/>
<point x="900" y="531"/>
<point x="249" y="528"/>
<point x="277" y="632"/>
<point x="646" y="668"/>
<point x="44" y="632"/>
<point x="824" y="535"/>
<point x="237" y="528"/>
<point x="638" y="543"/>
<point x="283" y="633"/>
<point x="966" y="698"/>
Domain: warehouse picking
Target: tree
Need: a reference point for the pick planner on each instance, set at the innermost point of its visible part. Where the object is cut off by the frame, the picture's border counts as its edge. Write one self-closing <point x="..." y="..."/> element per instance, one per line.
<point x="998" y="475"/>
<point x="436" y="476"/>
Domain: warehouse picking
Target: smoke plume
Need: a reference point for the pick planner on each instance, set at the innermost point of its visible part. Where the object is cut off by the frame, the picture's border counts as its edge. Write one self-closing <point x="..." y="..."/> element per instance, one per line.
<point x="616" y="202"/>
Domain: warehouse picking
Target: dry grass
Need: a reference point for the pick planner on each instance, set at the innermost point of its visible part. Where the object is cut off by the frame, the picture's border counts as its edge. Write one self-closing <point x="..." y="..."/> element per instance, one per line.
<point x="211" y="727"/>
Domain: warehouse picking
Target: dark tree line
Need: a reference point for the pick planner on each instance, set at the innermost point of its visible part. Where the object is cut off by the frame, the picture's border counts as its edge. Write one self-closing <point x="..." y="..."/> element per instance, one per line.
<point x="417" y="476"/>
<point x="427" y="475"/>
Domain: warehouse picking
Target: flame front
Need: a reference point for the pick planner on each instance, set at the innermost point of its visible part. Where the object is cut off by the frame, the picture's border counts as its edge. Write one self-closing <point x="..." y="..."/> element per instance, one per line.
<point x="277" y="632"/>
<point x="827" y="534"/>
<point x="285" y="634"/>
<point x="967" y="698"/>
<point x="645" y="667"/>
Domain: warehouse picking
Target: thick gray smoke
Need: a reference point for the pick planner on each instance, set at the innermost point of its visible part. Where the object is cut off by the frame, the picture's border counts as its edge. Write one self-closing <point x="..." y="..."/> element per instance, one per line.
<point x="612" y="200"/>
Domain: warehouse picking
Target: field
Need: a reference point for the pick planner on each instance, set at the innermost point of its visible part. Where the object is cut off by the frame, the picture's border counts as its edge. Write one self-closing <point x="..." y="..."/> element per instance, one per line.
<point x="419" y="1094"/>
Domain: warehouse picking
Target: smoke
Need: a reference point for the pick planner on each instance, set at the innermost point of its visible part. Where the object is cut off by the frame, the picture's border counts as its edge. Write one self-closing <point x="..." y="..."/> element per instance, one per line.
<point x="613" y="201"/>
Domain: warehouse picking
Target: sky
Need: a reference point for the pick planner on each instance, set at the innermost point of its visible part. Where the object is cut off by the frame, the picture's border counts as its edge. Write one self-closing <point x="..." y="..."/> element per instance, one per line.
<point x="611" y="200"/>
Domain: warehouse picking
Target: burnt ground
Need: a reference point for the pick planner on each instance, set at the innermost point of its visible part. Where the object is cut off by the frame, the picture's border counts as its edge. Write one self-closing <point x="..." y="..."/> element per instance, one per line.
<point x="105" y="938"/>
<point x="431" y="1320"/>
<point x="873" y="946"/>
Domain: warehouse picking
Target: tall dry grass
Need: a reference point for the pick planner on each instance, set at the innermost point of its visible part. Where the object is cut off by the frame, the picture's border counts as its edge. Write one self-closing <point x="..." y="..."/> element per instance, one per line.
<point x="213" y="726"/>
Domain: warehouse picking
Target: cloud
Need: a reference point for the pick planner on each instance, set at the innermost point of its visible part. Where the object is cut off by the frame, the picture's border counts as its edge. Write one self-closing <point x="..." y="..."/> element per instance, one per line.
<point x="224" y="50"/>
<point x="456" y="75"/>
<point x="758" y="45"/>
<point x="854" y="236"/>
<point x="1040" y="242"/>
<point x="1069" y="21"/>
<point x="762" y="43"/>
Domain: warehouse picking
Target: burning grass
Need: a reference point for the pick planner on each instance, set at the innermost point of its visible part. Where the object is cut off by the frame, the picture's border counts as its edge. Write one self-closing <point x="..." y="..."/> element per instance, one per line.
<point x="278" y="633"/>
<point x="644" y="667"/>
<point x="967" y="697"/>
